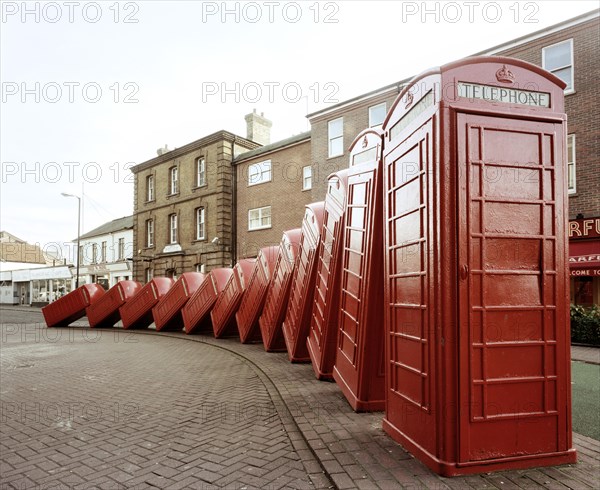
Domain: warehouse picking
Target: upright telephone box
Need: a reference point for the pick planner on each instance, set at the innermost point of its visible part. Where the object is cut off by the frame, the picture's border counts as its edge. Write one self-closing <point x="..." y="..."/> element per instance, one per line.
<point x="322" y="333"/>
<point x="476" y="296"/>
<point x="196" y="312"/>
<point x="359" y="368"/>
<point x="167" y="312"/>
<point x="297" y="319"/>
<point x="254" y="297"/>
<point x="278" y="294"/>
<point x="228" y="301"/>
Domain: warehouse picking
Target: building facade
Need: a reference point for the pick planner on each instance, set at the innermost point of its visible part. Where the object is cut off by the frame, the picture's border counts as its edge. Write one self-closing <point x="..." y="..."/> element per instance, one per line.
<point x="222" y="197"/>
<point x="334" y="129"/>
<point x="273" y="184"/>
<point x="105" y="253"/>
<point x="570" y="51"/>
<point x="183" y="207"/>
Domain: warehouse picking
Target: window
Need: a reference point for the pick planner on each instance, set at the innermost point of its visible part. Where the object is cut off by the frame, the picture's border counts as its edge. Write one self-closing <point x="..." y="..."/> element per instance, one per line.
<point x="200" y="172"/>
<point x="94" y="253"/>
<point x="103" y="252"/>
<point x="121" y="248"/>
<point x="336" y="137"/>
<point x="558" y="59"/>
<point x="259" y="173"/>
<point x="172" y="228"/>
<point x="259" y="218"/>
<point x="306" y="178"/>
<point x="200" y="229"/>
<point x="149" y="233"/>
<point x="148" y="274"/>
<point x="150" y="188"/>
<point x="173" y="180"/>
<point x="200" y="268"/>
<point x="377" y="114"/>
<point x="571" y="164"/>
<point x="80" y="255"/>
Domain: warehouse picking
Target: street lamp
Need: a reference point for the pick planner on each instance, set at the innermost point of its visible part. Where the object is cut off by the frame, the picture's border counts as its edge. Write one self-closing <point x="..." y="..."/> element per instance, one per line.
<point x="64" y="194"/>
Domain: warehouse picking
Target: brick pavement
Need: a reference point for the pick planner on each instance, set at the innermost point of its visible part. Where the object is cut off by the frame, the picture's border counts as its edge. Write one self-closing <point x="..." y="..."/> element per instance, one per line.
<point x="112" y="409"/>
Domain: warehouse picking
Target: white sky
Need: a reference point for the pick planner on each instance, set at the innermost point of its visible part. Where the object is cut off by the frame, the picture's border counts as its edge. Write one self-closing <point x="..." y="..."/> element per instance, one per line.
<point x="172" y="61"/>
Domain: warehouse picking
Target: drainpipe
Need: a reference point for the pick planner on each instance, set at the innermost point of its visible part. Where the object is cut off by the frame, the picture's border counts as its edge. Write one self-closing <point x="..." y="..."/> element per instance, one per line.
<point x="233" y="209"/>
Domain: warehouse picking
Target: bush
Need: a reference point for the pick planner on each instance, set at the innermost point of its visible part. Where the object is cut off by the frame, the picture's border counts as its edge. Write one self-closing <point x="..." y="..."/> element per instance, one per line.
<point x="585" y="325"/>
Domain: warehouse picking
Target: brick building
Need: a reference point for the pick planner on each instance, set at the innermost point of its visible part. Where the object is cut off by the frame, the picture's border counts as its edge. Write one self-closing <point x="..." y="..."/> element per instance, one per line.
<point x="251" y="195"/>
<point x="273" y="184"/>
<point x="334" y="129"/>
<point x="183" y="207"/>
<point x="570" y="51"/>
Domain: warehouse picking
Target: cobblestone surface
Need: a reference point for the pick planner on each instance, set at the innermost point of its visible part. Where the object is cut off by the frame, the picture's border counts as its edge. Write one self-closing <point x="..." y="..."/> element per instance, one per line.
<point x="113" y="409"/>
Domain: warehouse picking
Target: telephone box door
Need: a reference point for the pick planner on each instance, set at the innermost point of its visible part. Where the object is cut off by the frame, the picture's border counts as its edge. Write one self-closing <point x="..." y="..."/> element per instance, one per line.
<point x="511" y="294"/>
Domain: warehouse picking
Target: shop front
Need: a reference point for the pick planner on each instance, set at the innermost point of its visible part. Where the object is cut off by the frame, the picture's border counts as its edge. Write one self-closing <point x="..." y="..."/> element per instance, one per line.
<point x="38" y="287"/>
<point x="584" y="261"/>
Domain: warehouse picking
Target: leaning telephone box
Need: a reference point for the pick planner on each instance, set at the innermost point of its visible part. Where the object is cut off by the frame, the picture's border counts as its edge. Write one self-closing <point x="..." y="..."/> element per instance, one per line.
<point x="476" y="295"/>
<point x="360" y="362"/>
<point x="105" y="311"/>
<point x="137" y="312"/>
<point x="297" y="319"/>
<point x="167" y="312"/>
<point x="72" y="306"/>
<point x="254" y="297"/>
<point x="278" y="293"/>
<point x="196" y="312"/>
<point x="228" y="301"/>
<point x="322" y="333"/>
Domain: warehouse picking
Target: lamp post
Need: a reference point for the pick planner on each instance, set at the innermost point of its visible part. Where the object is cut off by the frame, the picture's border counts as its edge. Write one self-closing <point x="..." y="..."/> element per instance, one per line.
<point x="64" y="194"/>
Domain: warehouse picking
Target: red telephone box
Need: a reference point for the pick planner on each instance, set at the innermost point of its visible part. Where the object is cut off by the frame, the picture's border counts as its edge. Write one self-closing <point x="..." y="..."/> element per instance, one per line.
<point x="137" y="312"/>
<point x="322" y="333"/>
<point x="196" y="312"/>
<point x="228" y="301"/>
<point x="167" y="312"/>
<point x="476" y="291"/>
<point x="105" y="311"/>
<point x="297" y="319"/>
<point x="72" y="306"/>
<point x="278" y="293"/>
<point x="254" y="297"/>
<point x="360" y="362"/>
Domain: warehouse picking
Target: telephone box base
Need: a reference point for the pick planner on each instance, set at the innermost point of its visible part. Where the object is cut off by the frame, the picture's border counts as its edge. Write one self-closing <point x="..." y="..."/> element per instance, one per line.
<point x="357" y="404"/>
<point x="315" y="355"/>
<point x="446" y="468"/>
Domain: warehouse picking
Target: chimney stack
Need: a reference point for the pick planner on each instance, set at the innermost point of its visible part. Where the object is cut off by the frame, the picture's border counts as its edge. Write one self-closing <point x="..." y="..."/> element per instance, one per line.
<point x="258" y="128"/>
<point x="162" y="151"/>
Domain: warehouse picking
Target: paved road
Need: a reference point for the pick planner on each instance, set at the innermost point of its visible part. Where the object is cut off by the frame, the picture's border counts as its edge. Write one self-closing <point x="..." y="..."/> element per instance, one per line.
<point x="109" y="409"/>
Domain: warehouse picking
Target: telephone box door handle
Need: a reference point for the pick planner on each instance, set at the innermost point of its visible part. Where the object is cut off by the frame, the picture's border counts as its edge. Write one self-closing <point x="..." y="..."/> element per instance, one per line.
<point x="464" y="272"/>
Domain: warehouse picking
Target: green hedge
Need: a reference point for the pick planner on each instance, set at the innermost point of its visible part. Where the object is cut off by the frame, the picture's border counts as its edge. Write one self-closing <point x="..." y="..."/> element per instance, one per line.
<point x="585" y="325"/>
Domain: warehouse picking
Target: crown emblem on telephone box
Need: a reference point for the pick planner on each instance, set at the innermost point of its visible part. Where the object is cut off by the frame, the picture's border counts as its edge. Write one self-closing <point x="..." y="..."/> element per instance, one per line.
<point x="504" y="75"/>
